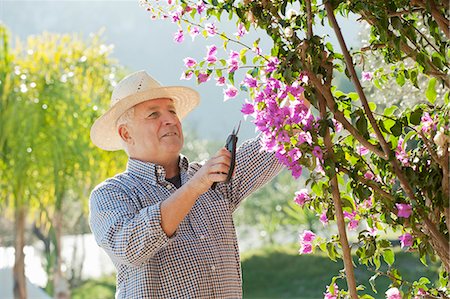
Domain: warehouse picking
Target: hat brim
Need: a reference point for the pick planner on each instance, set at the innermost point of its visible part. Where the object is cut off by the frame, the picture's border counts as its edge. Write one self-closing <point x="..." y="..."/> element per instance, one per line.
<point x="104" y="132"/>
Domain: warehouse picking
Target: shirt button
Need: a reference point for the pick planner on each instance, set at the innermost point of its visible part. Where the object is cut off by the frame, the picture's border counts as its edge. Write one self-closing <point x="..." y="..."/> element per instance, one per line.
<point x="213" y="268"/>
<point x="159" y="170"/>
<point x="169" y="186"/>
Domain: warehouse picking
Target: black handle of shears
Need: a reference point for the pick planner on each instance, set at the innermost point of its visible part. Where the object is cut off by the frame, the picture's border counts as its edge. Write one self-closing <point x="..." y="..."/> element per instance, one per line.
<point x="230" y="145"/>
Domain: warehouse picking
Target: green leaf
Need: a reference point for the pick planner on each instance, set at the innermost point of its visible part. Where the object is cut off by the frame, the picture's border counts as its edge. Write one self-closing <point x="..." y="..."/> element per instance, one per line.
<point x="400" y="79"/>
<point x="389" y="111"/>
<point x="389" y="256"/>
<point x="431" y="91"/>
<point x="415" y="117"/>
<point x="396" y="129"/>
<point x="424" y="281"/>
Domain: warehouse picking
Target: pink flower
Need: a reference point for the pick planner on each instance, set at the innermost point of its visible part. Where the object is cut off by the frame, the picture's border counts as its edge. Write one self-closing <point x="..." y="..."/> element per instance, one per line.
<point x="272" y="64"/>
<point x="369" y="175"/>
<point x="331" y="294"/>
<point x="303" y="77"/>
<point x="307" y="236"/>
<point x="401" y="154"/>
<point x="304" y="137"/>
<point x="247" y="109"/>
<point x="230" y="92"/>
<point x="393" y="293"/>
<point x="220" y="81"/>
<point x="176" y="16"/>
<point x="200" y="7"/>
<point x="373" y="231"/>
<point x="353" y="224"/>
<point x="202" y="77"/>
<point x="178" y="36"/>
<point x="189" y="62"/>
<point x="366" y="76"/>
<point x="211" y="29"/>
<point x="301" y="197"/>
<point x="257" y="50"/>
<point x="194" y="32"/>
<point x="337" y="126"/>
<point x="421" y="293"/>
<point x="241" y="30"/>
<point x="249" y="81"/>
<point x="323" y="218"/>
<point x="404" y="210"/>
<point x="406" y="240"/>
<point x="361" y="150"/>
<point x="427" y="123"/>
<point x="350" y="216"/>
<point x="187" y="75"/>
<point x="211" y="54"/>
<point x="233" y="65"/>
<point x="234" y="55"/>
<point x="305" y="249"/>
<point x="306" y="242"/>
<point x="317" y="151"/>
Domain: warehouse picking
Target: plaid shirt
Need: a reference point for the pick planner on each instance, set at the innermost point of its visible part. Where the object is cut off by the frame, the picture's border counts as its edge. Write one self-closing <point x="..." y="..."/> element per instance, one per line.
<point x="201" y="260"/>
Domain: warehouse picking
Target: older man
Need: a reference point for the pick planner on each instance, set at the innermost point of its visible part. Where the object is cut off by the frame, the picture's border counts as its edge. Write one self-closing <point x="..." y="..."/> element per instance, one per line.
<point x="169" y="234"/>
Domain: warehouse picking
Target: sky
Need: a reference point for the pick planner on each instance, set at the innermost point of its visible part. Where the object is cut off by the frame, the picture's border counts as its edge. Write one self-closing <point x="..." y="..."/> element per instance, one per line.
<point x="144" y="44"/>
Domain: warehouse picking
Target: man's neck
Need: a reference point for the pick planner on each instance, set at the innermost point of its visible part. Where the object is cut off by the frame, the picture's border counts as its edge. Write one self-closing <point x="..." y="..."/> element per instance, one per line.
<point x="172" y="169"/>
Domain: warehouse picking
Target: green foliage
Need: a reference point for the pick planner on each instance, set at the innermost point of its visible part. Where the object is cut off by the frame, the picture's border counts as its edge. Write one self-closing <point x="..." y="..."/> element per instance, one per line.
<point x="278" y="272"/>
<point x="51" y="89"/>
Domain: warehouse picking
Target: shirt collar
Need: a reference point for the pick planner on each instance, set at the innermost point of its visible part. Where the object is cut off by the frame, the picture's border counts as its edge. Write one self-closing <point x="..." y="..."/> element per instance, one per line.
<point x="151" y="171"/>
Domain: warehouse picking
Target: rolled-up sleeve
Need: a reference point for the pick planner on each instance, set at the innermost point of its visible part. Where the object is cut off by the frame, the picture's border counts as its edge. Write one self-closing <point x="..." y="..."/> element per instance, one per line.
<point x="130" y="236"/>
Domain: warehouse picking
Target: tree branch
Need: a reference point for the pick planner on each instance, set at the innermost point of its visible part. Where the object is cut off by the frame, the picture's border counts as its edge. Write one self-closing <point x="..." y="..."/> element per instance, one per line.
<point x="441" y="20"/>
<point x="339" y="116"/>
<point x="410" y="52"/>
<point x="354" y="78"/>
<point x="346" y="251"/>
<point x="441" y="245"/>
<point x="369" y="183"/>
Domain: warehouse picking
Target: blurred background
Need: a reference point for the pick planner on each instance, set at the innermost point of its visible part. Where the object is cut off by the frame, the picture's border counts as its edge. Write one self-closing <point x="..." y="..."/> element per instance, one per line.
<point x="66" y="56"/>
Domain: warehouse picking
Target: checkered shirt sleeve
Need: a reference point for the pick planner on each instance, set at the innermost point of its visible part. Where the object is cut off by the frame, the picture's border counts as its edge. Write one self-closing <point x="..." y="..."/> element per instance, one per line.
<point x="202" y="259"/>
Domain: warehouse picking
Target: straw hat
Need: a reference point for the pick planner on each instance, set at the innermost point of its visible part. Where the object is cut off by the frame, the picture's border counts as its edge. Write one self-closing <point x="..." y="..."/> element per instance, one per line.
<point x="134" y="89"/>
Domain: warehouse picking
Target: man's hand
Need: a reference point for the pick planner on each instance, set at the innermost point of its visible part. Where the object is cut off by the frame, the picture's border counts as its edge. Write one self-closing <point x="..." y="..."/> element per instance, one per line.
<point x="214" y="170"/>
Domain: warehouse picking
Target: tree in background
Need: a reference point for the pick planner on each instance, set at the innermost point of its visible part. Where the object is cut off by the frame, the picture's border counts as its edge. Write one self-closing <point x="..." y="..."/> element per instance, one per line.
<point x="386" y="168"/>
<point x="51" y="89"/>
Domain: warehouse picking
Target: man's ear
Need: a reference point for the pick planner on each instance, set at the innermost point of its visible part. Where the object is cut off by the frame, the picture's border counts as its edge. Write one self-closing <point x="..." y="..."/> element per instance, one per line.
<point x="124" y="133"/>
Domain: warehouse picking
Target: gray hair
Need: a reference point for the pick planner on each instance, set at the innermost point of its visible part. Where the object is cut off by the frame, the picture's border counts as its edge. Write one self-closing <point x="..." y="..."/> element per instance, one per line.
<point x="125" y="117"/>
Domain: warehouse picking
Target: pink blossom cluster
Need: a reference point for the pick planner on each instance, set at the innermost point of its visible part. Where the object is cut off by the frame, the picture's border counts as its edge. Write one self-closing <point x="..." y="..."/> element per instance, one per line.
<point x="331" y="293"/>
<point x="406" y="240"/>
<point x="301" y="197"/>
<point x="401" y="154"/>
<point x="428" y="123"/>
<point x="393" y="293"/>
<point x="404" y="210"/>
<point x="306" y="239"/>
<point x="351" y="217"/>
<point x="282" y="107"/>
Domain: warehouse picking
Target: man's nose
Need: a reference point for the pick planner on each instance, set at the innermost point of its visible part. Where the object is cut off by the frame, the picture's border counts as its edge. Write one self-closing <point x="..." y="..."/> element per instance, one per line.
<point x="170" y="118"/>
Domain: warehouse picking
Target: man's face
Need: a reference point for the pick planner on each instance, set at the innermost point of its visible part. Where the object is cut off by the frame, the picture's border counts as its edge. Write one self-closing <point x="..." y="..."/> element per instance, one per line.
<point x="156" y="131"/>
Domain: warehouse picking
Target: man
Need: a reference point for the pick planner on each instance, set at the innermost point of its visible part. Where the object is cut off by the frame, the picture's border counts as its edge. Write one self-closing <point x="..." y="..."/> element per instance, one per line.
<point x="169" y="234"/>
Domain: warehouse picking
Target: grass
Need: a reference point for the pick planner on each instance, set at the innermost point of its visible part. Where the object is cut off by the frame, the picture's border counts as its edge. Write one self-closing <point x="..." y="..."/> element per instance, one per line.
<point x="280" y="273"/>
